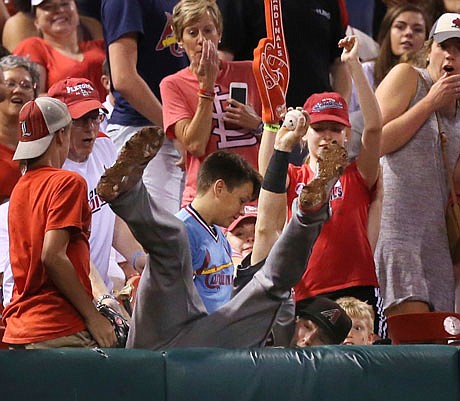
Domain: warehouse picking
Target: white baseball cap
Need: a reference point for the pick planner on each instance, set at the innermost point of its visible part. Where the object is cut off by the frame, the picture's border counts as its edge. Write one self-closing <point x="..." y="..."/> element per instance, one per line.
<point x="39" y="119"/>
<point x="36" y="2"/>
<point x="446" y="26"/>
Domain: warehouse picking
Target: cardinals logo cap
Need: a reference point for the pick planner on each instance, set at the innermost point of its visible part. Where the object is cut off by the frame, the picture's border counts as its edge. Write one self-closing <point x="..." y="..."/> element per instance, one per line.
<point x="327" y="106"/>
<point x="446" y="26"/>
<point x="39" y="119"/>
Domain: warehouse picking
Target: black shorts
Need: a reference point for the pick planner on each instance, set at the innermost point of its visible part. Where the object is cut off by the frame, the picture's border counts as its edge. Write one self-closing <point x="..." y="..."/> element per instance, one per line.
<point x="368" y="294"/>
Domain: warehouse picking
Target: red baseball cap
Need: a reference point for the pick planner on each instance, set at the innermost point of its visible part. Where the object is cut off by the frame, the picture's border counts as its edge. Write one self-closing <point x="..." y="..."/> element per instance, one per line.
<point x="249" y="212"/>
<point x="39" y="119"/>
<point x="79" y="94"/>
<point x="327" y="106"/>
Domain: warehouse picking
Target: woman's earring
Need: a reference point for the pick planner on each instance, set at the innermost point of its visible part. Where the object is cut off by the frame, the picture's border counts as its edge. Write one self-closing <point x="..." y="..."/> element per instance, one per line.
<point x="180" y="45"/>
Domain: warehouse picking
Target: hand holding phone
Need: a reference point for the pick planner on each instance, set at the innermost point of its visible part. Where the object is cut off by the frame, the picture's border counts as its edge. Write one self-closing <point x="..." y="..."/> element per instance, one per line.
<point x="239" y="92"/>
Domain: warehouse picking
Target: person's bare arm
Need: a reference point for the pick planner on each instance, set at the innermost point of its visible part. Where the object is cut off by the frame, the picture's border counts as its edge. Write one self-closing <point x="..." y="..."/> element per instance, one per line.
<point x="394" y="94"/>
<point x="125" y="243"/>
<point x="127" y="81"/>
<point x="375" y="213"/>
<point x="99" y="289"/>
<point x="61" y="271"/>
<point x="271" y="211"/>
<point x="18" y="27"/>
<point x="368" y="158"/>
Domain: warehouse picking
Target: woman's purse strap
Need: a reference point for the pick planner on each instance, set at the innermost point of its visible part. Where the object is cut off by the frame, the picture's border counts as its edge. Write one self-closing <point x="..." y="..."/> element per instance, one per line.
<point x="443" y="140"/>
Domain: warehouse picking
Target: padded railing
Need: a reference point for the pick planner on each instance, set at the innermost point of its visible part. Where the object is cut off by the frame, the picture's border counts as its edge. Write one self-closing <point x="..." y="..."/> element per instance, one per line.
<point x="329" y="373"/>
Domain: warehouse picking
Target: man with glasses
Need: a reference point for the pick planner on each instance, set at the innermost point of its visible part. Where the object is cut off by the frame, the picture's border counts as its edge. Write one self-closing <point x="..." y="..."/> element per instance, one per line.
<point x="90" y="152"/>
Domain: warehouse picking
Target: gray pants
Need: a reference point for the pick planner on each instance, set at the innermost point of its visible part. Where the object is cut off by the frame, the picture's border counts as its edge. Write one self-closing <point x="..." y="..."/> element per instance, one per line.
<point x="169" y="312"/>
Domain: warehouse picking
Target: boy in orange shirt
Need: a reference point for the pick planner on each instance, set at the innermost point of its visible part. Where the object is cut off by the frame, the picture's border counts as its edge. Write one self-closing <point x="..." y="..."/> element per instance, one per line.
<point x="48" y="221"/>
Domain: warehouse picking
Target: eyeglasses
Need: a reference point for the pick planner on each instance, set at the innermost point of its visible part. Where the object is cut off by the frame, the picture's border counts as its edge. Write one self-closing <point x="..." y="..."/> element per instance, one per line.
<point x="55" y="7"/>
<point x="85" y="120"/>
<point x="24" y="85"/>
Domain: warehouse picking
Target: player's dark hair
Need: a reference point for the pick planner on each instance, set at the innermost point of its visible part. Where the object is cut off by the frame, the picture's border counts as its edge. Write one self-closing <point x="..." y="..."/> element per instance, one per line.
<point x="229" y="167"/>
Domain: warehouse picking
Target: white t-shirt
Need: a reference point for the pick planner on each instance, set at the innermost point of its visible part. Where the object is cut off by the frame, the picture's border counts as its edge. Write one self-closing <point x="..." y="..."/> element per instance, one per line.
<point x="5" y="266"/>
<point x="103" y="156"/>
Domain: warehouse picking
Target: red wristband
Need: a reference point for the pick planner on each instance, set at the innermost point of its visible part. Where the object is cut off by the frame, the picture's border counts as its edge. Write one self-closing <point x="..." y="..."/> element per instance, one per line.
<point x="206" y="93"/>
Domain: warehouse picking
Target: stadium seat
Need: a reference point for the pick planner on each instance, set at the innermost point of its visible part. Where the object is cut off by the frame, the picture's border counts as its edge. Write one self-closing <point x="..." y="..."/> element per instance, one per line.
<point x="424" y="328"/>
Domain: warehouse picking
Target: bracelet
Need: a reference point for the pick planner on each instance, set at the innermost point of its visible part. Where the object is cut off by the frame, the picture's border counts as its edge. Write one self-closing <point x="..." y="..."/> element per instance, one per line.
<point x="211" y="98"/>
<point x="132" y="275"/>
<point x="271" y="127"/>
<point x="135" y="256"/>
<point x="259" y="129"/>
<point x="105" y="296"/>
<point x="206" y="93"/>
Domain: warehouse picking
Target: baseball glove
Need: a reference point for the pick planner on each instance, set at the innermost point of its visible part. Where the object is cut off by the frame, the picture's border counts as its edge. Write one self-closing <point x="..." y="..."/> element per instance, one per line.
<point x="119" y="323"/>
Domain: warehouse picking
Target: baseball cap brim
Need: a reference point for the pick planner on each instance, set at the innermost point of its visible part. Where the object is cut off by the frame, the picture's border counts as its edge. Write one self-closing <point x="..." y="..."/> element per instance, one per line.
<point x="320" y="322"/>
<point x="237" y="221"/>
<point x="30" y="150"/>
<point x="320" y="118"/>
<point x="79" y="109"/>
<point x="442" y="36"/>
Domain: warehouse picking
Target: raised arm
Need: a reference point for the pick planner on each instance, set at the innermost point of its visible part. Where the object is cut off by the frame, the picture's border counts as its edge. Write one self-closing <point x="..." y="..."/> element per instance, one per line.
<point x="368" y="158"/>
<point x="194" y="134"/>
<point x="271" y="215"/>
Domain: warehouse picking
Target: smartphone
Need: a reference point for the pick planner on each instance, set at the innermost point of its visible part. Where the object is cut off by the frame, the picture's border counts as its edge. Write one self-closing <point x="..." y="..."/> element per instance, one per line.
<point x="239" y="91"/>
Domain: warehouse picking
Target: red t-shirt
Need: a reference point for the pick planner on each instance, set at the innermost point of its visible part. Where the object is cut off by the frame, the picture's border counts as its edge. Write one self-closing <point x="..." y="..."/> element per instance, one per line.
<point x="9" y="172"/>
<point x="59" y="66"/>
<point x="342" y="256"/>
<point x="45" y="199"/>
<point x="180" y="101"/>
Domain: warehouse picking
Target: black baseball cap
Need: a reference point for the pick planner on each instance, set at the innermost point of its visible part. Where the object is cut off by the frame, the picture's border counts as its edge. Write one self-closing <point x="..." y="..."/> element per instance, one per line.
<point x="327" y="314"/>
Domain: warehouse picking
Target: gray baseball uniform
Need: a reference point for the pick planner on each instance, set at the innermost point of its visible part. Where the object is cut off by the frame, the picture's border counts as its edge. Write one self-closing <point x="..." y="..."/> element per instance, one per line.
<point x="169" y="312"/>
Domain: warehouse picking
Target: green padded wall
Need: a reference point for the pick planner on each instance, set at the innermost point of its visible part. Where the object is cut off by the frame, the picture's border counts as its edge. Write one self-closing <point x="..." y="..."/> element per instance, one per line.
<point x="81" y="375"/>
<point x="328" y="373"/>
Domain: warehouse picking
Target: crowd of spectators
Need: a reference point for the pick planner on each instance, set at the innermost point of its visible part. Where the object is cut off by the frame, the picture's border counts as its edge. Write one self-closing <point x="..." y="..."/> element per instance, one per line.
<point x="212" y="207"/>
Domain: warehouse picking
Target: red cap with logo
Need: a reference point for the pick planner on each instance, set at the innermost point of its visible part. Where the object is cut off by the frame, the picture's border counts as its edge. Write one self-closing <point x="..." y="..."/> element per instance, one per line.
<point x="39" y="119"/>
<point x="250" y="212"/>
<point x="79" y="94"/>
<point x="327" y="106"/>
